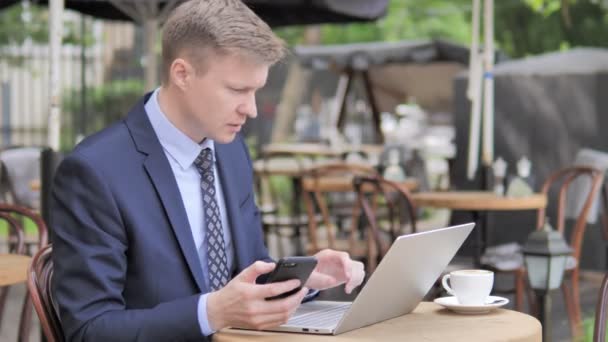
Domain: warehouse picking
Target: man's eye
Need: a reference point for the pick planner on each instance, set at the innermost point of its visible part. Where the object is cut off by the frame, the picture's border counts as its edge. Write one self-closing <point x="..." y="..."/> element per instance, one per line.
<point x="239" y="90"/>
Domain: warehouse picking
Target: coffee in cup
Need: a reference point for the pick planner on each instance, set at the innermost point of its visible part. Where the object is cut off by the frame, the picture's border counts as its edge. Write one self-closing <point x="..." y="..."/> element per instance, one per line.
<point x="471" y="287"/>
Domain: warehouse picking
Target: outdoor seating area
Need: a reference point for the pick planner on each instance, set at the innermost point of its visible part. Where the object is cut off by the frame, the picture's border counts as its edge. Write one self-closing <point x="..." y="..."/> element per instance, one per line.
<point x="358" y="127"/>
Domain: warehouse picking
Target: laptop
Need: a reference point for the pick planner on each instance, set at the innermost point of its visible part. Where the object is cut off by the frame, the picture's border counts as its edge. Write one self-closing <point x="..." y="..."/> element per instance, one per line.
<point x="404" y="276"/>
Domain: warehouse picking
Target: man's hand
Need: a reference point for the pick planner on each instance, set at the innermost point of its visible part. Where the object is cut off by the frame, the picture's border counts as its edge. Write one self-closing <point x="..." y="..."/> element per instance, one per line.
<point x="241" y="303"/>
<point x="336" y="268"/>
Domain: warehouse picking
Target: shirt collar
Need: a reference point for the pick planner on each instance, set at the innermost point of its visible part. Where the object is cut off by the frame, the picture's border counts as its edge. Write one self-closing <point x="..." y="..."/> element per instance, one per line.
<point x="177" y="144"/>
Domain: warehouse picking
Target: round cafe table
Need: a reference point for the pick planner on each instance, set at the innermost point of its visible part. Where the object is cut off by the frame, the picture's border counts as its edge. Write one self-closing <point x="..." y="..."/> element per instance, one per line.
<point x="479" y="203"/>
<point x="428" y="322"/>
<point x="13" y="268"/>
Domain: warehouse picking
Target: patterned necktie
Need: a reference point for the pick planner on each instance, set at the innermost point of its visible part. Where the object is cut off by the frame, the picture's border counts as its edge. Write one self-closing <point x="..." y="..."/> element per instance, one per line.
<point x="216" y="250"/>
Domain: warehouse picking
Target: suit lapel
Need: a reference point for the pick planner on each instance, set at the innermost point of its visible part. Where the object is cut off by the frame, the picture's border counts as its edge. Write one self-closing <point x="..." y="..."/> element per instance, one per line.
<point x="160" y="173"/>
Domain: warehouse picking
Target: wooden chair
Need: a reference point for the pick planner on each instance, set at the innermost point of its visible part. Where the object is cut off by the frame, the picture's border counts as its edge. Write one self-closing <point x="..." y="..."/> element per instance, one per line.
<point x="39" y="285"/>
<point x="389" y="212"/>
<point x="561" y="181"/>
<point x="321" y="184"/>
<point x="16" y="246"/>
<point x="570" y="286"/>
<point x="273" y="169"/>
<point x="12" y="210"/>
<point x="599" y="329"/>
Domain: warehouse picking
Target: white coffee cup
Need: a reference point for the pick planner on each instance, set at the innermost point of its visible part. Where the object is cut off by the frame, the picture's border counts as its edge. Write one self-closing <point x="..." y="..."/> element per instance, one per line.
<point x="471" y="287"/>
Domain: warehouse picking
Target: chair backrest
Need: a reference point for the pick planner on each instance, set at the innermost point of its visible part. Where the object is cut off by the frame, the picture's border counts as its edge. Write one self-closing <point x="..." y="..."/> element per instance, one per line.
<point x="271" y="164"/>
<point x="384" y="203"/>
<point x="39" y="286"/>
<point x="37" y="219"/>
<point x="599" y="330"/>
<point x="321" y="181"/>
<point x="562" y="180"/>
<point x="16" y="235"/>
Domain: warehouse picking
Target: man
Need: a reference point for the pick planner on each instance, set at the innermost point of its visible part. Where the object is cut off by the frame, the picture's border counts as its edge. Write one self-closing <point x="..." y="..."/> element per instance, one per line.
<point x="156" y="235"/>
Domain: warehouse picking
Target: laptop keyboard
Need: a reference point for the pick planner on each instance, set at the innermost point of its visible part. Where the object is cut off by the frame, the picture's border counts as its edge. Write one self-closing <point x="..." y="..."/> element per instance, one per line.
<point x="318" y="315"/>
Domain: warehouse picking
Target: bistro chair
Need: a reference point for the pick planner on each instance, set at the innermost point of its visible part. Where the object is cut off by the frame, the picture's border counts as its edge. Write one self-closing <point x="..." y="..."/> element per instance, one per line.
<point x="39" y="285"/>
<point x="329" y="187"/>
<point x="16" y="246"/>
<point x="599" y="329"/>
<point x="559" y="183"/>
<point x="389" y="212"/>
<point x="12" y="210"/>
<point x="281" y="211"/>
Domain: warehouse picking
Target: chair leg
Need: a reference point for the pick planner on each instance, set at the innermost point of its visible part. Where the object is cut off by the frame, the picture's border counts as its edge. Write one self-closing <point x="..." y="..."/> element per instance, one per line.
<point x="3" y="296"/>
<point x="576" y="300"/>
<point x="520" y="289"/>
<point x="26" y="319"/>
<point x="570" y="309"/>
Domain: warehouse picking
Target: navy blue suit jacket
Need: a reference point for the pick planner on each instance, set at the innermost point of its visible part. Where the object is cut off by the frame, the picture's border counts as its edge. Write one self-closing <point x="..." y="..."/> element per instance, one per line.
<point x="125" y="264"/>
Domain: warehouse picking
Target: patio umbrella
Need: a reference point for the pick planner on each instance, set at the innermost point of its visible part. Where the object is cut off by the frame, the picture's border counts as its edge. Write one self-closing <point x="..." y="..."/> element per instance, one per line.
<point x="151" y="13"/>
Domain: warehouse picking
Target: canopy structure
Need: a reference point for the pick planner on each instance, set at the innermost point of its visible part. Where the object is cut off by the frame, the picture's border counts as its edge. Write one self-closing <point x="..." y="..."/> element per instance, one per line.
<point x="274" y="12"/>
<point x="352" y="61"/>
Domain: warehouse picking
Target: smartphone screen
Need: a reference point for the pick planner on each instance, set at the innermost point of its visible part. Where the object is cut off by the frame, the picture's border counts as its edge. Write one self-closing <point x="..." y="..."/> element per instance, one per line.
<point x="292" y="268"/>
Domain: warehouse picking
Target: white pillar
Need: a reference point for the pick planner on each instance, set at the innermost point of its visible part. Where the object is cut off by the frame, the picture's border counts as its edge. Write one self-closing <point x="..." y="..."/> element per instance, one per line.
<point x="55" y="35"/>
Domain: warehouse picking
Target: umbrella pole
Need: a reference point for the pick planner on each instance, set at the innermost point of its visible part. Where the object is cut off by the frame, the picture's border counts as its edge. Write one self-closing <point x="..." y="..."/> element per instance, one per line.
<point x="488" y="91"/>
<point x="55" y="34"/>
<point x="474" y="95"/>
<point x="151" y="67"/>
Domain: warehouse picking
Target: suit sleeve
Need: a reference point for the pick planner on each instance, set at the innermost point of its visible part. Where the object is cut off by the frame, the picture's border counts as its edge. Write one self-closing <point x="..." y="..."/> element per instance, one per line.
<point x="90" y="247"/>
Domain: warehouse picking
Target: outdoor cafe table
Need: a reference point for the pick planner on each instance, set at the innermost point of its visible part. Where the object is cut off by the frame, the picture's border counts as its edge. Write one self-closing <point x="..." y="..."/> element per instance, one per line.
<point x="478" y="202"/>
<point x="428" y="322"/>
<point x="320" y="150"/>
<point x="13" y="268"/>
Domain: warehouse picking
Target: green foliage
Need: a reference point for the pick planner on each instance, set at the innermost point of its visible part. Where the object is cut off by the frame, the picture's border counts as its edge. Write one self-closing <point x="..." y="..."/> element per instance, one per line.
<point x="106" y="103"/>
<point x="526" y="27"/>
<point x="15" y="30"/>
<point x="18" y="23"/>
<point x="588" y="326"/>
<point x="29" y="227"/>
<point x="522" y="27"/>
<point x="405" y="19"/>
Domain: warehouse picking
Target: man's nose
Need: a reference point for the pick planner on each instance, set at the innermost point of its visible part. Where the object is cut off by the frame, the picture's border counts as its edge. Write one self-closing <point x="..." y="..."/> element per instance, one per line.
<point x="249" y="107"/>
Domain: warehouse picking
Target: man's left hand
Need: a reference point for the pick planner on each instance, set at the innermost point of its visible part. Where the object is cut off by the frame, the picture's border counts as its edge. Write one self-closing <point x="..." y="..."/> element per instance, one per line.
<point x="336" y="268"/>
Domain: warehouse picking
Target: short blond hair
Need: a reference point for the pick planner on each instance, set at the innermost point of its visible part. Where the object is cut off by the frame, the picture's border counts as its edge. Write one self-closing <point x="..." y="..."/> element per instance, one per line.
<point x="198" y="27"/>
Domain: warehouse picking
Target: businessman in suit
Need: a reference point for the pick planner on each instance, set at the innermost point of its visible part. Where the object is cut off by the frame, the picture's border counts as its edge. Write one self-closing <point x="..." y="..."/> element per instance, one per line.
<point x="156" y="235"/>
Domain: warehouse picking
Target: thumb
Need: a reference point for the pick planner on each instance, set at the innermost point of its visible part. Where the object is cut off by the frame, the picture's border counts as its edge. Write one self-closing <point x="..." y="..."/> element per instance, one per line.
<point x="256" y="269"/>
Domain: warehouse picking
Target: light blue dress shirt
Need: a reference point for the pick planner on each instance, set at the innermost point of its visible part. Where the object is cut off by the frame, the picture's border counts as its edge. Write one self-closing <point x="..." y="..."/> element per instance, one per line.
<point x="181" y="151"/>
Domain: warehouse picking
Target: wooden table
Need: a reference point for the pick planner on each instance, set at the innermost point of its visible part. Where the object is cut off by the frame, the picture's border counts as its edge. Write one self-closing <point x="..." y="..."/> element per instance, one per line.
<point x="345" y="184"/>
<point x="428" y="322"/>
<point x="13" y="268"/>
<point x="478" y="200"/>
<point x="320" y="150"/>
<point x="479" y="203"/>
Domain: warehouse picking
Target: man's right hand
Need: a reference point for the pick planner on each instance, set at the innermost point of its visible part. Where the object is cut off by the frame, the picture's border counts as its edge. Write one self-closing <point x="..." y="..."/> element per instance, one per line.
<point x="241" y="303"/>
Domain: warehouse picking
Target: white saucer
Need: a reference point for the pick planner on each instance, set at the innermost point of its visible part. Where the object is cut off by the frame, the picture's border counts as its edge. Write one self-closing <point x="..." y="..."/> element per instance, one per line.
<point x="452" y="304"/>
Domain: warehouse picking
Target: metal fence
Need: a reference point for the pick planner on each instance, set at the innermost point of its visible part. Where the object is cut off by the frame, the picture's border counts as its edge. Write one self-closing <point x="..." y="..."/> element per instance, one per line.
<point x="94" y="79"/>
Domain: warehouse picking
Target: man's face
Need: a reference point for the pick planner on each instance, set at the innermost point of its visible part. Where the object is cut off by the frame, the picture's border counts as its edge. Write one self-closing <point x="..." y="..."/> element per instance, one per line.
<point x="218" y="100"/>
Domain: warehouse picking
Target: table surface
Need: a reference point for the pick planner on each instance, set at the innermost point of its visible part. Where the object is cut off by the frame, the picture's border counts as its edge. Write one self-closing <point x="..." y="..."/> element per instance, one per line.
<point x="293" y="167"/>
<point x="478" y="200"/>
<point x="428" y="322"/>
<point x="321" y="150"/>
<point x="13" y="268"/>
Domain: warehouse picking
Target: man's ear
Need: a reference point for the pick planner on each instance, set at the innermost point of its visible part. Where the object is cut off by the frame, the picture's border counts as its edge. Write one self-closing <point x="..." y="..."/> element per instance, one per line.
<point x="180" y="73"/>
